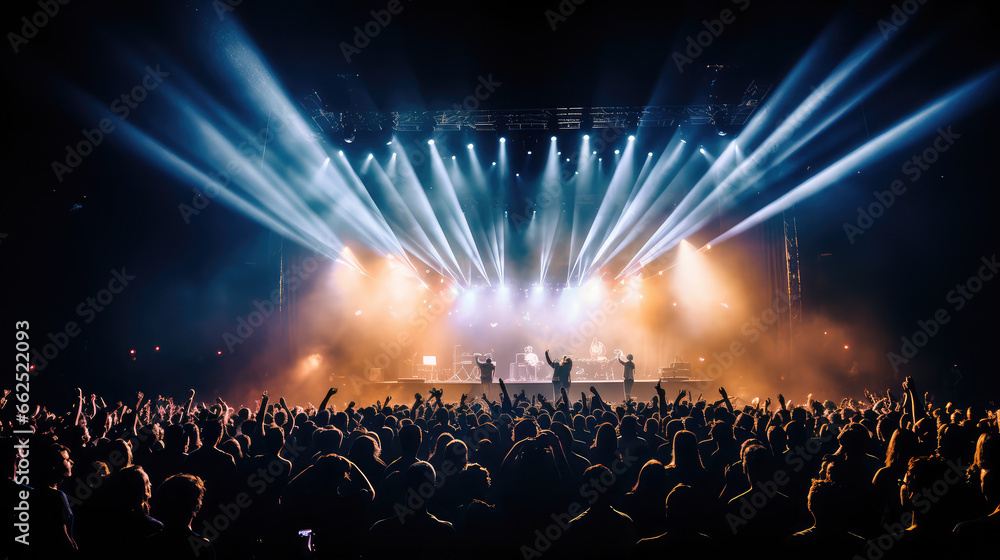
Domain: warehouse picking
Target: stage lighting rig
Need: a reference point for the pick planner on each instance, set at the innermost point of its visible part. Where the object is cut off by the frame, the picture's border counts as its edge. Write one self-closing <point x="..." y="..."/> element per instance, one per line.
<point x="722" y="121"/>
<point x="350" y="127"/>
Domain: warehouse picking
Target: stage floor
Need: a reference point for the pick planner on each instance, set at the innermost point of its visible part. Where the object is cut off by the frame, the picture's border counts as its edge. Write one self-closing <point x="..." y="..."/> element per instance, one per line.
<point x="402" y="391"/>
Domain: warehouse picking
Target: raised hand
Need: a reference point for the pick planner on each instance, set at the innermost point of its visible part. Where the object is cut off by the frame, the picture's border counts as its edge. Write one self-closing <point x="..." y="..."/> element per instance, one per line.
<point x="722" y="391"/>
<point x="594" y="391"/>
<point x="332" y="391"/>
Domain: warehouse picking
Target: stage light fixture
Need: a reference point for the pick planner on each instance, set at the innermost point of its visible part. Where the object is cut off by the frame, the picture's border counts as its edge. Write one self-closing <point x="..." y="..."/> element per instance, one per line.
<point x="721" y="121"/>
<point x="470" y="146"/>
<point x="350" y="128"/>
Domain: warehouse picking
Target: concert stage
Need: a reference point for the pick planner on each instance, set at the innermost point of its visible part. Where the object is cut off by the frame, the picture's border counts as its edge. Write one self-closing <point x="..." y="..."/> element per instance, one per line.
<point x="402" y="391"/>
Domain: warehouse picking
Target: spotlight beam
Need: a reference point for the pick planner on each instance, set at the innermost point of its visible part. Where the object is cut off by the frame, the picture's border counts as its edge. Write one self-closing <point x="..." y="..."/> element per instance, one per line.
<point x="922" y="122"/>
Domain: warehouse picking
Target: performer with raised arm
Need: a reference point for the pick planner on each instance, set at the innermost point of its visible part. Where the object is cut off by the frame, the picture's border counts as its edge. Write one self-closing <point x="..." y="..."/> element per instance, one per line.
<point x="486" y="370"/>
<point x="629" y="374"/>
<point x="560" y="373"/>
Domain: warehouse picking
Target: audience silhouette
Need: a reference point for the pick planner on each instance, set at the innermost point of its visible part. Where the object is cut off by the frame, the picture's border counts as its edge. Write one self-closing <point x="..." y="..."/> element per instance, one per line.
<point x="519" y="477"/>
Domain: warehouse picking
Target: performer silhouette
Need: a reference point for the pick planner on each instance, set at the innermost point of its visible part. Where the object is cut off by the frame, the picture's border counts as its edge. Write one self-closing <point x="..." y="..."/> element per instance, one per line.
<point x="629" y="374"/>
<point x="560" y="373"/>
<point x="486" y="370"/>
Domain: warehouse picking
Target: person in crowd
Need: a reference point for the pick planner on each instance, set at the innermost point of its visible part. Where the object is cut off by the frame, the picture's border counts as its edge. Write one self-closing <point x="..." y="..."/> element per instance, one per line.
<point x="518" y="477"/>
<point x="176" y="503"/>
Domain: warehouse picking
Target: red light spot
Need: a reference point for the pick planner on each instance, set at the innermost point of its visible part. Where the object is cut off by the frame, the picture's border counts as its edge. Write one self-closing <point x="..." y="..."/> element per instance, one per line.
<point x="32" y="367"/>
<point x="157" y="348"/>
<point x="845" y="347"/>
<point x="219" y="352"/>
<point x="131" y="351"/>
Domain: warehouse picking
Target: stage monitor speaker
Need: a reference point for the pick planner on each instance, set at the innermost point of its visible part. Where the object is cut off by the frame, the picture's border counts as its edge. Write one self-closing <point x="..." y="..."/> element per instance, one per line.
<point x="518" y="372"/>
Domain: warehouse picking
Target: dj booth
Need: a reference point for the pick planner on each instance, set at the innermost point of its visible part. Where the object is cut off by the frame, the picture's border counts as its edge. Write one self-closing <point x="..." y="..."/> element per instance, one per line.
<point x="529" y="369"/>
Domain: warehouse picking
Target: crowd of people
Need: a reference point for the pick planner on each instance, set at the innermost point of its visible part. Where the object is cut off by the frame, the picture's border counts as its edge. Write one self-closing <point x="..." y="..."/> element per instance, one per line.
<point x="523" y="476"/>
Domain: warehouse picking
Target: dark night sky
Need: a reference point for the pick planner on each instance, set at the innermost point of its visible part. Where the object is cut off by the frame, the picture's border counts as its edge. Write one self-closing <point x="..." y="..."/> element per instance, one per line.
<point x="429" y="57"/>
